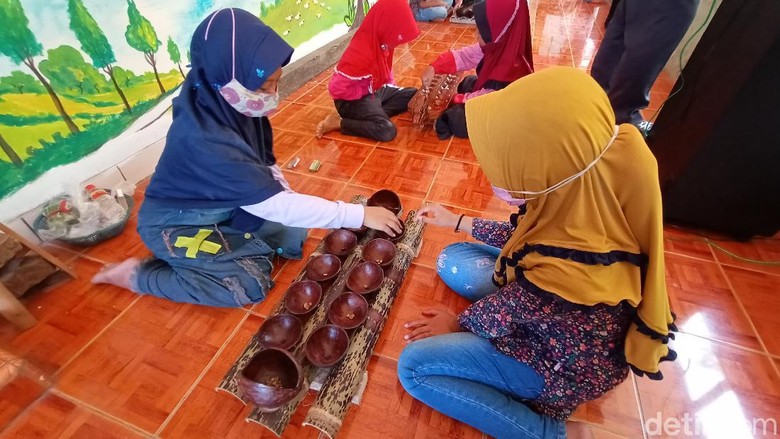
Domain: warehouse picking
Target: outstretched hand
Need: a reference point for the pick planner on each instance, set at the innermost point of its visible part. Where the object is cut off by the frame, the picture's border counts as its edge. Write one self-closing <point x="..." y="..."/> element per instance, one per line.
<point x="437" y="215"/>
<point x="436" y="322"/>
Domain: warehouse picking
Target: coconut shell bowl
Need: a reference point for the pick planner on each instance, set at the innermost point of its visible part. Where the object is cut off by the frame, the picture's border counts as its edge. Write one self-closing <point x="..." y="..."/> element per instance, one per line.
<point x="387" y="199"/>
<point x="365" y="278"/>
<point x="349" y="310"/>
<point x="395" y="238"/>
<point x="303" y="297"/>
<point x="323" y="267"/>
<point x="271" y="379"/>
<point x="340" y="242"/>
<point x="327" y="345"/>
<point x="281" y="331"/>
<point x="379" y="250"/>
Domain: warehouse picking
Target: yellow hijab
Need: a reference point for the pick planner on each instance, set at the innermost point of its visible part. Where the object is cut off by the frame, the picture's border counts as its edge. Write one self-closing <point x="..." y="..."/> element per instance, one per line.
<point x="542" y="129"/>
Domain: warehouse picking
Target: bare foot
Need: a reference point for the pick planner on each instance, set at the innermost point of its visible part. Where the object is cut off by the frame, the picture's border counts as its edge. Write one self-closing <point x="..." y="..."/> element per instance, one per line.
<point x="578" y="430"/>
<point x="330" y="123"/>
<point x="117" y="274"/>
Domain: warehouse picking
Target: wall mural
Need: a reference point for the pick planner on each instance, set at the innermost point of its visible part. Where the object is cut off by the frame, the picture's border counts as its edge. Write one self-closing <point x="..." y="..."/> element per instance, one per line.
<point x="76" y="73"/>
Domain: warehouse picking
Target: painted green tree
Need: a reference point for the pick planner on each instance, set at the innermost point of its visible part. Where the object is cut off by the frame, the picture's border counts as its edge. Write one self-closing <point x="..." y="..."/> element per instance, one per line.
<point x="69" y="74"/>
<point x="141" y="36"/>
<point x="94" y="43"/>
<point x="12" y="155"/>
<point x="18" y="43"/>
<point x="125" y="77"/>
<point x="173" y="51"/>
<point x="20" y="82"/>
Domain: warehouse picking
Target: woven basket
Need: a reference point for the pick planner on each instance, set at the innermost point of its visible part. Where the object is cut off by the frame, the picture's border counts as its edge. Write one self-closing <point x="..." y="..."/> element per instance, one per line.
<point x="97" y="237"/>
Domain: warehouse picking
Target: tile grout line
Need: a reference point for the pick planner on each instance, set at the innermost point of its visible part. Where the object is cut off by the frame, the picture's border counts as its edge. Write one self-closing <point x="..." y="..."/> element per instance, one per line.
<point x="638" y="398"/>
<point x="195" y="383"/>
<point x="22" y="414"/>
<point x="99" y="412"/>
<point x="745" y="313"/>
<point x="98" y="335"/>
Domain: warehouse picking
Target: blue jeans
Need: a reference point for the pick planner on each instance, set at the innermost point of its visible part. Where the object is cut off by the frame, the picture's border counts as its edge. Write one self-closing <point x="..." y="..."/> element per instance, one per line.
<point x="199" y="259"/>
<point x="463" y="376"/>
<point x="430" y="14"/>
<point x="467" y="268"/>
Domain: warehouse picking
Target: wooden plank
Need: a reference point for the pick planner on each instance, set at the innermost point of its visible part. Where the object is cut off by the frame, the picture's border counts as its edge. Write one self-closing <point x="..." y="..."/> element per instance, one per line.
<point x="328" y="412"/>
<point x="14" y="311"/>
<point x="37" y="249"/>
<point x="277" y="421"/>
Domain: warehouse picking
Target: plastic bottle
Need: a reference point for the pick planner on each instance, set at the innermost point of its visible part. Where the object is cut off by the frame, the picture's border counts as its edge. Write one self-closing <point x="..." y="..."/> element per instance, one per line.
<point x="111" y="211"/>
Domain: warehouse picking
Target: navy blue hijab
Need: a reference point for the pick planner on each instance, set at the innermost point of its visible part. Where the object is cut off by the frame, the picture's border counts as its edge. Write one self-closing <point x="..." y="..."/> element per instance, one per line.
<point x="215" y="157"/>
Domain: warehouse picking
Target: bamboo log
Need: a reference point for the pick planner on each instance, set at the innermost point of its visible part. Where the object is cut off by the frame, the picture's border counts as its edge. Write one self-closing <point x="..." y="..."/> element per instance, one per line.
<point x="277" y="421"/>
<point x="334" y="398"/>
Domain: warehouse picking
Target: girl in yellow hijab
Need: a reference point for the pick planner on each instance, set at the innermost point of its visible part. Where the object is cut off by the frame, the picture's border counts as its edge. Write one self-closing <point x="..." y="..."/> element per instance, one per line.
<point x="578" y="294"/>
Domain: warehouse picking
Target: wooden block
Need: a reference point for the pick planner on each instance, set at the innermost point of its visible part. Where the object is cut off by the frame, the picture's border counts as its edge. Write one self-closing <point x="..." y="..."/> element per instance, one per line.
<point x="14" y="311"/>
<point x="25" y="272"/>
<point x="9" y="248"/>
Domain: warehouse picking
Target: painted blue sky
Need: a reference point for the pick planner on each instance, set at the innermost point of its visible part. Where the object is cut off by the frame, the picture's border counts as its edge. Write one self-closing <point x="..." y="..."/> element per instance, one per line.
<point x="176" y="18"/>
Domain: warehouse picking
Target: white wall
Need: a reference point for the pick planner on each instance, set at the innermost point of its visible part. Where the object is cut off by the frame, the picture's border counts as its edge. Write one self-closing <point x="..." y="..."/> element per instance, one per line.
<point x="673" y="66"/>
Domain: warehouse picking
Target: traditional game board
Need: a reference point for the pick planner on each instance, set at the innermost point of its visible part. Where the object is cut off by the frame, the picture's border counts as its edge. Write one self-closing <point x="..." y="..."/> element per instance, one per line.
<point x="344" y="378"/>
<point x="431" y="101"/>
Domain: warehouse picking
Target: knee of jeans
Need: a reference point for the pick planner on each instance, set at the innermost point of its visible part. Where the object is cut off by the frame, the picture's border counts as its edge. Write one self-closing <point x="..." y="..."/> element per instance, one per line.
<point x="386" y="130"/>
<point x="449" y="253"/>
<point x="407" y="363"/>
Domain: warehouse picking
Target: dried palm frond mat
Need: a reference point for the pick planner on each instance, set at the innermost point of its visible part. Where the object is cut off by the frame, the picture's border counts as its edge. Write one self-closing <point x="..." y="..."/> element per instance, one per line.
<point x="345" y="381"/>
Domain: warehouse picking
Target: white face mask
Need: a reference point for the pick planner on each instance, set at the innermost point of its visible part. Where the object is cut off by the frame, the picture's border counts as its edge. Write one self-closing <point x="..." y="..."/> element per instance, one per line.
<point x="507" y="195"/>
<point x="247" y="102"/>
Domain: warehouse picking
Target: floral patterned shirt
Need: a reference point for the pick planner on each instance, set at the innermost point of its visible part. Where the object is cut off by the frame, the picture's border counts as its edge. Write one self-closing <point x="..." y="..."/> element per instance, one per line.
<point x="577" y="349"/>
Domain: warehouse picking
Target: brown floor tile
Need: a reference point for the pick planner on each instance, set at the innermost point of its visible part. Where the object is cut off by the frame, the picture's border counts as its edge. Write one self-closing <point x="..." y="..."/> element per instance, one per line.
<point x="757" y="249"/>
<point x="758" y="293"/>
<point x="404" y="172"/>
<point x="288" y="143"/>
<point x="69" y="316"/>
<point x="299" y="118"/>
<point x="617" y="411"/>
<point x="387" y="411"/>
<point x="340" y="160"/>
<point x="723" y="388"/>
<point x="208" y="413"/>
<point x="688" y="243"/>
<point x="16" y="396"/>
<point x="464" y="185"/>
<point x="55" y="417"/>
<point x="431" y="46"/>
<point x="318" y="96"/>
<point x="422" y="289"/>
<point x="704" y="303"/>
<point x="415" y="139"/>
<point x="422" y="56"/>
<point x="311" y="185"/>
<point x="460" y="150"/>
<point x="141" y="367"/>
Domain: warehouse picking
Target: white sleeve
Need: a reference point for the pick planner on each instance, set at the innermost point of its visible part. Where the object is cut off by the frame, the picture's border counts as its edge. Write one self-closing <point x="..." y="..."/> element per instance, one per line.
<point x="276" y="171"/>
<point x="299" y="210"/>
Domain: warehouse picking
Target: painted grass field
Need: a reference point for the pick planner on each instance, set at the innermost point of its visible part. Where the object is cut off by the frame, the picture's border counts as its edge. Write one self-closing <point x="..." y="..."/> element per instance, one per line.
<point x="299" y="21"/>
<point x="33" y="128"/>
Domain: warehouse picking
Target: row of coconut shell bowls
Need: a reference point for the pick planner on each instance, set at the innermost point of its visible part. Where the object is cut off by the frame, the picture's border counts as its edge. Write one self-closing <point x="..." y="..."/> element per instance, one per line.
<point x="274" y="376"/>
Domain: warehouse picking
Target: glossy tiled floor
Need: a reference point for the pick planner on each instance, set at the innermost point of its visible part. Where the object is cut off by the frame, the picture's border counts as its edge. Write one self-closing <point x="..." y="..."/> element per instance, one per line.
<point x="130" y="366"/>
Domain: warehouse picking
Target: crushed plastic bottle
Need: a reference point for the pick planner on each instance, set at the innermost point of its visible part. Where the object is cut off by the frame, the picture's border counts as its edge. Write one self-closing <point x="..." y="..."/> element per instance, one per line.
<point x="110" y="211"/>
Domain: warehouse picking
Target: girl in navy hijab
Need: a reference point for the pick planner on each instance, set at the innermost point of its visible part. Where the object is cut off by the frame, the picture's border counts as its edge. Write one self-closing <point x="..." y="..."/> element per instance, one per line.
<point x="218" y="207"/>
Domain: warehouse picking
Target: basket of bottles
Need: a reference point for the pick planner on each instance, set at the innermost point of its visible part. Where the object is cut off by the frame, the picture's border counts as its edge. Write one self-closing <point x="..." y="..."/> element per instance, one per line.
<point x="90" y="217"/>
